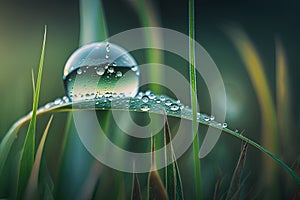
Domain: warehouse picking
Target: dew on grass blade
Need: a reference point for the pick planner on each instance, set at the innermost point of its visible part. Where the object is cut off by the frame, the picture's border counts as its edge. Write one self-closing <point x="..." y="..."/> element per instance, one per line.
<point x="100" y="68"/>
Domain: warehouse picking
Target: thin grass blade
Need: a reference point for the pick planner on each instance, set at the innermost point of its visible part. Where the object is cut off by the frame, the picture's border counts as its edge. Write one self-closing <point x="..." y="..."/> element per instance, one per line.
<point x="236" y="177"/>
<point x="92" y="22"/>
<point x="8" y="139"/>
<point x="192" y="63"/>
<point x="28" y="150"/>
<point x="283" y="96"/>
<point x="255" y="70"/>
<point x="136" y="189"/>
<point x="173" y="181"/>
<point x="32" y="187"/>
<point x="156" y="189"/>
<point x="217" y="189"/>
<point x="150" y="18"/>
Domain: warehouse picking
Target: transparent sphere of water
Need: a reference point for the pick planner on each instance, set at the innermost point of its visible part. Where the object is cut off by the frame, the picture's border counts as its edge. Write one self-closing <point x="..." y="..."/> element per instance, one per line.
<point x="100" y="69"/>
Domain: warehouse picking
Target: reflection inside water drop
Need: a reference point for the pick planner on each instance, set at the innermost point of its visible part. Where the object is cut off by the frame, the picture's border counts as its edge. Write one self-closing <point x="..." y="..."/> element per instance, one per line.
<point x="99" y="68"/>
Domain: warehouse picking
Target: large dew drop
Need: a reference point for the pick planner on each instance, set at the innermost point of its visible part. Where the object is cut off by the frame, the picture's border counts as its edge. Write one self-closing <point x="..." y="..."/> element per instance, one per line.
<point x="100" y="69"/>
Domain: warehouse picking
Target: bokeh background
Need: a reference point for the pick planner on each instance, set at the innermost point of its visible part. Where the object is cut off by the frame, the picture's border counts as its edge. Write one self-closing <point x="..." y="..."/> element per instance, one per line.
<point x="265" y="22"/>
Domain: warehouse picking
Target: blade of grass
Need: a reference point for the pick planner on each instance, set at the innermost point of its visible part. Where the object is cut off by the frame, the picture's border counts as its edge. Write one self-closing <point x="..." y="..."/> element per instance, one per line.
<point x="92" y="28"/>
<point x="88" y="188"/>
<point x="136" y="189"/>
<point x="255" y="68"/>
<point x="33" y="82"/>
<point x="283" y="98"/>
<point x="32" y="187"/>
<point x="8" y="139"/>
<point x="192" y="63"/>
<point x="149" y="18"/>
<point x="236" y="177"/>
<point x="173" y="181"/>
<point x="156" y="189"/>
<point x="217" y="189"/>
<point x="27" y="154"/>
<point x="92" y="22"/>
<point x="67" y="107"/>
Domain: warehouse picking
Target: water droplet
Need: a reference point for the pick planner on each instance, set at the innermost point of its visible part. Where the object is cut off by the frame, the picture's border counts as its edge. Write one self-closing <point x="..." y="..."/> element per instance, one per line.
<point x="48" y="105"/>
<point x="65" y="99"/>
<point x="119" y="74"/>
<point x="79" y="71"/>
<point x="100" y="71"/>
<point x="174" y="107"/>
<point x="152" y="95"/>
<point x="57" y="101"/>
<point x="162" y="98"/>
<point x="206" y="118"/>
<point x="145" y="107"/>
<point x="107" y="56"/>
<point x="107" y="47"/>
<point x="111" y="70"/>
<point x="110" y="98"/>
<point x="236" y="130"/>
<point x="92" y="59"/>
<point x="224" y="125"/>
<point x="145" y="99"/>
<point x="168" y="102"/>
<point x="212" y="117"/>
<point x="134" y="68"/>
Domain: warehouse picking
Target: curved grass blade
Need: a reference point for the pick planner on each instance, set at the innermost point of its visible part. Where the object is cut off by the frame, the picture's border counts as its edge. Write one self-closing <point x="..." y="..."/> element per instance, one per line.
<point x="236" y="177"/>
<point x="185" y="113"/>
<point x="27" y="154"/>
<point x="255" y="70"/>
<point x="283" y="97"/>
<point x="32" y="187"/>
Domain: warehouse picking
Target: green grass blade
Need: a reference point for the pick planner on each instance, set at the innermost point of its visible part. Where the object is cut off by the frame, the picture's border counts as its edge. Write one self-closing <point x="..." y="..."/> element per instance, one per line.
<point x="173" y="180"/>
<point x="92" y="28"/>
<point x="236" y="177"/>
<point x="192" y="62"/>
<point x="92" y="22"/>
<point x="28" y="150"/>
<point x="136" y="189"/>
<point x="255" y="68"/>
<point x="149" y="18"/>
<point x="32" y="188"/>
<point x="156" y="189"/>
<point x="67" y="107"/>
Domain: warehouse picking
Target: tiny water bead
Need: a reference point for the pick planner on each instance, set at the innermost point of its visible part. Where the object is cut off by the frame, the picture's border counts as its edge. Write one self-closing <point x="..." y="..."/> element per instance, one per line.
<point x="100" y="68"/>
<point x="100" y="71"/>
<point x="224" y="125"/>
<point x="174" y="107"/>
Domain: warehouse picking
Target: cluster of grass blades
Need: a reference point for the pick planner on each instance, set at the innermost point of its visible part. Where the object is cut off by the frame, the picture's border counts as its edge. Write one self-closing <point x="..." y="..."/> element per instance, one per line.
<point x="160" y="185"/>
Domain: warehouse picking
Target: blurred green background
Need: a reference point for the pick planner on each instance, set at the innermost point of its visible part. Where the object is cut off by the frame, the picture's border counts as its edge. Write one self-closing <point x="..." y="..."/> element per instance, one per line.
<point x="21" y="30"/>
